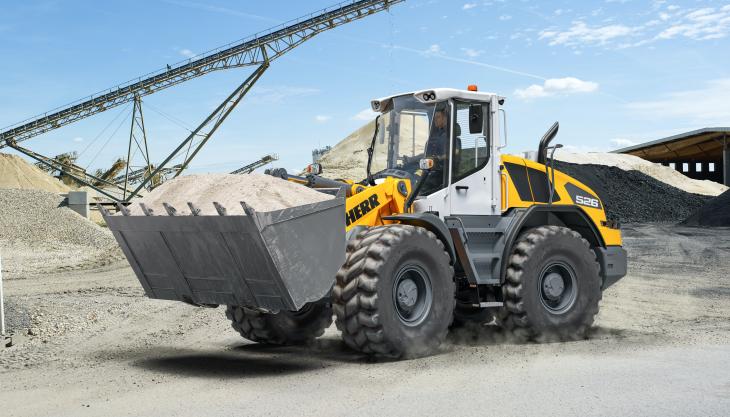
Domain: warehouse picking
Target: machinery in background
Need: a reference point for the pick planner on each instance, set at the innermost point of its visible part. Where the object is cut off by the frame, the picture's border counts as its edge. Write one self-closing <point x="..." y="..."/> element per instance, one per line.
<point x="261" y="162"/>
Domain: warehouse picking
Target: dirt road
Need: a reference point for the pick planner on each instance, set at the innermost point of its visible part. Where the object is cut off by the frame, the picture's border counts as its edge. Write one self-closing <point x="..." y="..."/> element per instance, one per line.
<point x="661" y="347"/>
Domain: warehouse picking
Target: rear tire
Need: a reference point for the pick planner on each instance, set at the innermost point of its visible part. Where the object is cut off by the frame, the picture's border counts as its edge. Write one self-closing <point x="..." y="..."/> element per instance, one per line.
<point x="552" y="287"/>
<point x="394" y="295"/>
<point x="284" y="327"/>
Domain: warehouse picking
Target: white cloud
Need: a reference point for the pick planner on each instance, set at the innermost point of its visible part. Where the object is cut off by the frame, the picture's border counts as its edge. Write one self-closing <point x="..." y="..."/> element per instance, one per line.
<point x="707" y="105"/>
<point x="557" y="86"/>
<point x="321" y="118"/>
<point x="472" y="53"/>
<point x="367" y="114"/>
<point x="700" y="24"/>
<point x="582" y="34"/>
<point x="505" y="17"/>
<point x="468" y="6"/>
<point x="78" y="139"/>
<point x="434" y="49"/>
<point x="622" y="142"/>
<point x="673" y="22"/>
<point x="187" y="53"/>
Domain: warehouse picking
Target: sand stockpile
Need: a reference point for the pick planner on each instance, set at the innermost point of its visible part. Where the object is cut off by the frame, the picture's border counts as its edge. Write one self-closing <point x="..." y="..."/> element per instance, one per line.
<point x="261" y="192"/>
<point x="716" y="213"/>
<point x="15" y="172"/>
<point x="658" y="171"/>
<point x="349" y="158"/>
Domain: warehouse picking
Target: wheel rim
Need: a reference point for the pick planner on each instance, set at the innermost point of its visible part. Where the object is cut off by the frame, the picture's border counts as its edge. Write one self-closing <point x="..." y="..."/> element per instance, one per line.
<point x="412" y="295"/>
<point x="558" y="287"/>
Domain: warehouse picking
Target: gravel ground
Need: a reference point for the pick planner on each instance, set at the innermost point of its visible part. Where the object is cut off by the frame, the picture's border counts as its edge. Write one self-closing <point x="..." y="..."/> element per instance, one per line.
<point x="634" y="197"/>
<point x="661" y="346"/>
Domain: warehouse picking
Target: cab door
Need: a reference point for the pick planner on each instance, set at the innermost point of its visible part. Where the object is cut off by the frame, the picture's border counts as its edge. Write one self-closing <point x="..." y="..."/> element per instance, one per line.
<point x="471" y="182"/>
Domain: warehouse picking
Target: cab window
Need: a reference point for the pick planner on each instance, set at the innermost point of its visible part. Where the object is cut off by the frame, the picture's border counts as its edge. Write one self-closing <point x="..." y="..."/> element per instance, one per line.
<point x="471" y="150"/>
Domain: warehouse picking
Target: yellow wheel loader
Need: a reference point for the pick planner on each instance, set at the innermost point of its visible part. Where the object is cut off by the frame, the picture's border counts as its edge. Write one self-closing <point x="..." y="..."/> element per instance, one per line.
<point x="444" y="230"/>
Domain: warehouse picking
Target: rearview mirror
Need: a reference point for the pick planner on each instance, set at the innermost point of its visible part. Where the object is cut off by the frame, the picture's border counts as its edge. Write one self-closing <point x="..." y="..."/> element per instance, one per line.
<point x="476" y="118"/>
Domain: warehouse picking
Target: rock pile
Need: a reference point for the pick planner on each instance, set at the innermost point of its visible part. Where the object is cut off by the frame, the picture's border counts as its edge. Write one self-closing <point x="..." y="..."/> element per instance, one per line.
<point x="716" y="213"/>
<point x="634" y="163"/>
<point x="37" y="236"/>
<point x="36" y="217"/>
<point x="634" y="197"/>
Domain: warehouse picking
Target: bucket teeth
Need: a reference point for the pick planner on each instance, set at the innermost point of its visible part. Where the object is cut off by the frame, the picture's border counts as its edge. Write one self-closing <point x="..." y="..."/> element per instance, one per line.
<point x="171" y="211"/>
<point x="221" y="210"/>
<point x="123" y="209"/>
<point x="146" y="210"/>
<point x="104" y="212"/>
<point x="194" y="211"/>
<point x="247" y="209"/>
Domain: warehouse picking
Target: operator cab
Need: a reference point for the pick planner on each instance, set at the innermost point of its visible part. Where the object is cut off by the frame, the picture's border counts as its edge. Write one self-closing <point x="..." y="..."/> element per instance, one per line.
<point x="443" y="140"/>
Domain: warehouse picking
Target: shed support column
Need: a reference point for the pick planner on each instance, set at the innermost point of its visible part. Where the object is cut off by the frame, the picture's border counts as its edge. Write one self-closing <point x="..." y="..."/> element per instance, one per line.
<point x="726" y="162"/>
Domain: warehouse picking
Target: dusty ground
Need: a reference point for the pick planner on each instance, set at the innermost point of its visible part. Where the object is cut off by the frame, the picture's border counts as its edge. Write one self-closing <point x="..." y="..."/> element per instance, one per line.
<point x="661" y="347"/>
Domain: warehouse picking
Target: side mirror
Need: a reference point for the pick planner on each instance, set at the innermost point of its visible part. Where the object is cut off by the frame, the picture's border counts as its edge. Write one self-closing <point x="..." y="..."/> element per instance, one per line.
<point x="425" y="164"/>
<point x="476" y="118"/>
<point x="314" y="169"/>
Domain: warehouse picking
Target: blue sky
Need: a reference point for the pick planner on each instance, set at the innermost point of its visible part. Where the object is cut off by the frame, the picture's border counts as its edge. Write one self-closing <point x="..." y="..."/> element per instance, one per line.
<point x="612" y="72"/>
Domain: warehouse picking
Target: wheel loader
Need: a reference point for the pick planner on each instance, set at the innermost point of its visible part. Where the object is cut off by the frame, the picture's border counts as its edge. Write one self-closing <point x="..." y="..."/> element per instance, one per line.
<point x="443" y="231"/>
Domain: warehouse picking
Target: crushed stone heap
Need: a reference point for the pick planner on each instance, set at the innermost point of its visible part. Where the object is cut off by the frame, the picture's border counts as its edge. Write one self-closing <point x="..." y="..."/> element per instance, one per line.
<point x="632" y="196"/>
<point x="259" y="191"/>
<point x="716" y="213"/>
<point x="659" y="172"/>
<point x="36" y="217"/>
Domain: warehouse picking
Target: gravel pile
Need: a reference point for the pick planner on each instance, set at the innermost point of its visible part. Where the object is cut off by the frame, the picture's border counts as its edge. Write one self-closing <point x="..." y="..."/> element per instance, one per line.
<point x="634" y="163"/>
<point x="716" y="213"/>
<point x="261" y="192"/>
<point x="35" y="217"/>
<point x="634" y="197"/>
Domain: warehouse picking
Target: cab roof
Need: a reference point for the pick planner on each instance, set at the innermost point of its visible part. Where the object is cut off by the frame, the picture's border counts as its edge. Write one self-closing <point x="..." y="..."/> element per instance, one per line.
<point x="435" y="95"/>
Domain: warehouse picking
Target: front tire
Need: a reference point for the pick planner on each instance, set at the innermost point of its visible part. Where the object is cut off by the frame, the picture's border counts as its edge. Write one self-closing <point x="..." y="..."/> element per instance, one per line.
<point x="552" y="287"/>
<point x="394" y="295"/>
<point x="284" y="327"/>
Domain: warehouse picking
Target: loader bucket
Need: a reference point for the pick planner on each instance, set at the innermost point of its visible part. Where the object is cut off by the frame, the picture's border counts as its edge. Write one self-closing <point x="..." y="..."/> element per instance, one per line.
<point x="277" y="260"/>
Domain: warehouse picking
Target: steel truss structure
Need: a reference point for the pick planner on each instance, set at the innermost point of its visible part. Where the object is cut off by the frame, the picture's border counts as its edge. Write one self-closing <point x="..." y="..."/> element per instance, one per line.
<point x="247" y="169"/>
<point x="257" y="50"/>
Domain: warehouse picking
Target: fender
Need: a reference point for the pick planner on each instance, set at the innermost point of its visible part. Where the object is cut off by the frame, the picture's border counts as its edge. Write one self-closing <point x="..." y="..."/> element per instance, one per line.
<point x="547" y="215"/>
<point x="431" y="223"/>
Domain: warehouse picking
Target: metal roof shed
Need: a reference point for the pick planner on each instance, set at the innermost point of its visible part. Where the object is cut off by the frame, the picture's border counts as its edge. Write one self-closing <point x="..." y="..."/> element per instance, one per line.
<point x="699" y="154"/>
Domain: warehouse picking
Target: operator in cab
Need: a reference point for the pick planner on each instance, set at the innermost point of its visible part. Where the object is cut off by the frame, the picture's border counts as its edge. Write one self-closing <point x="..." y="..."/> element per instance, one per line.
<point x="437" y="148"/>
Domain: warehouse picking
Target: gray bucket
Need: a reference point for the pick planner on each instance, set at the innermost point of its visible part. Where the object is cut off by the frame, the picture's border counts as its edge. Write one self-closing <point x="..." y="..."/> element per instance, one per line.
<point x="277" y="260"/>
